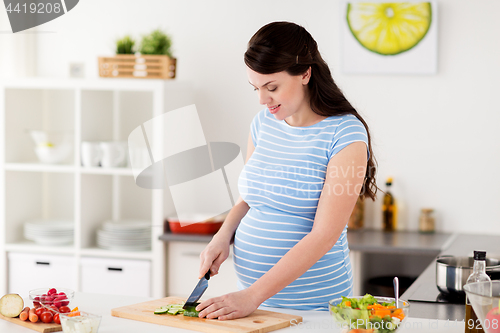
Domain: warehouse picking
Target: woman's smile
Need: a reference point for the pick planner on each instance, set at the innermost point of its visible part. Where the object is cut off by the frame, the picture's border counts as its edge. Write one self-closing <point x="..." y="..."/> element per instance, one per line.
<point x="274" y="109"/>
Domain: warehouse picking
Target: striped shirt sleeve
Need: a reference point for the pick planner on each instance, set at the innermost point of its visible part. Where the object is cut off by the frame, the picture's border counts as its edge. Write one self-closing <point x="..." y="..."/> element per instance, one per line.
<point x="255" y="127"/>
<point x="350" y="130"/>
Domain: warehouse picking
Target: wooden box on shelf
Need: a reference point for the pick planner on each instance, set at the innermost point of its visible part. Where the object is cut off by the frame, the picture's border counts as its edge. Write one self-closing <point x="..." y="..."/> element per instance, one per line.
<point x="137" y="66"/>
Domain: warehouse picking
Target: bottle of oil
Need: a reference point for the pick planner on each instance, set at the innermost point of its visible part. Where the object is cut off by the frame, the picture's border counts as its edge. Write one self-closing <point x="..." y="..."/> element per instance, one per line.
<point x="472" y="324"/>
<point x="389" y="209"/>
<point x="356" y="221"/>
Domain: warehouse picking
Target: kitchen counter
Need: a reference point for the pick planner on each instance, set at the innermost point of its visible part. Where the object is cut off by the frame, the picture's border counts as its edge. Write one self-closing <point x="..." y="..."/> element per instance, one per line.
<point x="317" y="321"/>
<point x="365" y="240"/>
<point x="399" y="242"/>
<point x="408" y="243"/>
<point x="461" y="245"/>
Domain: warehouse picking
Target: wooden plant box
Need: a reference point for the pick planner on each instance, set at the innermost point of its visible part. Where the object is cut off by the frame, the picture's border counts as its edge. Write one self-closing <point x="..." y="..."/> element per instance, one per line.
<point x="137" y="66"/>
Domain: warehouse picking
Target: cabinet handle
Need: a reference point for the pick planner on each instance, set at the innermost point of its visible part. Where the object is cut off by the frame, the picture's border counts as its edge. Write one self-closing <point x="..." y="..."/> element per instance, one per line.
<point x="115" y="269"/>
<point x="191" y="254"/>
<point x="43" y="263"/>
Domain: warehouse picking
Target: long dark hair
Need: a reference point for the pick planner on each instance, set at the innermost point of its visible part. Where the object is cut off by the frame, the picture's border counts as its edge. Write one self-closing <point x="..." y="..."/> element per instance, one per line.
<point x="285" y="46"/>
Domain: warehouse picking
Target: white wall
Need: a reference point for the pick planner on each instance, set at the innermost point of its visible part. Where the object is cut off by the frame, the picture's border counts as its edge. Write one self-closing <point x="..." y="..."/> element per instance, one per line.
<point x="436" y="135"/>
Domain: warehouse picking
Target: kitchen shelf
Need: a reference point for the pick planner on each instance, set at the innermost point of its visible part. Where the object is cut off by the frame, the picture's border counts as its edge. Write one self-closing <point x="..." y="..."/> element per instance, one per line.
<point x="98" y="252"/>
<point x="93" y="110"/>
<point x="31" y="247"/>
<point x="106" y="171"/>
<point x="39" y="167"/>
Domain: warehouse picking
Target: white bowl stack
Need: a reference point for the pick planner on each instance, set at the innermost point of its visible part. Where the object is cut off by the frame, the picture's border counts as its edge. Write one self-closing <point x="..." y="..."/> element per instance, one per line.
<point x="50" y="232"/>
<point x="125" y="235"/>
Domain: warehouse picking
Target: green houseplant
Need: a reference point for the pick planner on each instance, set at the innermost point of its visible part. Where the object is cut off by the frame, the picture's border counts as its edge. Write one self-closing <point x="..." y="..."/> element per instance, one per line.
<point x="157" y="42"/>
<point x="153" y="60"/>
<point x="125" y="45"/>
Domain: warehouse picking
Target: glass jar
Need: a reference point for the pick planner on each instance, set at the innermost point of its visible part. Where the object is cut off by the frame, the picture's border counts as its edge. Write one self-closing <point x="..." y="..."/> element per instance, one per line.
<point x="426" y="222"/>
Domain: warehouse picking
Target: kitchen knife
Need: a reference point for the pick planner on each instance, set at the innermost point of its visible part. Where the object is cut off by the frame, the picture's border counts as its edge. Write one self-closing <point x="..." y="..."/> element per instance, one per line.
<point x="198" y="291"/>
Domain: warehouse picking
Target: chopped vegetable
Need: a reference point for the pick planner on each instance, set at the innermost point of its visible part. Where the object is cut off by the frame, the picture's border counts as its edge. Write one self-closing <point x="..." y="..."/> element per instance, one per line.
<point x="368" y="314"/>
<point x="175" y="309"/>
<point x="161" y="310"/>
<point x="11" y="305"/>
<point x="171" y="309"/>
<point x="190" y="311"/>
<point x="74" y="313"/>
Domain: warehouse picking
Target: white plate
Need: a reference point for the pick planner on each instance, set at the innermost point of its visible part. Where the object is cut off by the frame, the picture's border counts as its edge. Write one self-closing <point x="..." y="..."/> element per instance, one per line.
<point x="124" y="237"/>
<point x="104" y="242"/>
<point x="53" y="241"/>
<point x="126" y="225"/>
<point x="49" y="225"/>
<point x="56" y="233"/>
<point x="126" y="248"/>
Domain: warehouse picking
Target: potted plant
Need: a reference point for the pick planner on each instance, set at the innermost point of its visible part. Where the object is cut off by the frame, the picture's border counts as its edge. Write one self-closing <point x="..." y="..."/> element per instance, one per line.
<point x="125" y="45"/>
<point x="154" y="59"/>
<point x="157" y="43"/>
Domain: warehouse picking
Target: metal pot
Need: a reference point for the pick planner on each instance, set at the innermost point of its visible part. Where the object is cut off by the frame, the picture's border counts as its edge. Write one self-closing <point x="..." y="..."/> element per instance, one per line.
<point x="452" y="273"/>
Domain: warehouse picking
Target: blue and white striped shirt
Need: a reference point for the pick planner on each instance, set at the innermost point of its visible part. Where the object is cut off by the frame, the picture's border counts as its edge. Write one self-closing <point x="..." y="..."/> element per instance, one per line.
<point x="282" y="183"/>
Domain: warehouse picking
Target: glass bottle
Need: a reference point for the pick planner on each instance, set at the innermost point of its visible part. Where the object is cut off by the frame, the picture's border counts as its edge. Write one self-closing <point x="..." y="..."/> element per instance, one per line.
<point x="478" y="275"/>
<point x="389" y="209"/>
<point x="356" y="221"/>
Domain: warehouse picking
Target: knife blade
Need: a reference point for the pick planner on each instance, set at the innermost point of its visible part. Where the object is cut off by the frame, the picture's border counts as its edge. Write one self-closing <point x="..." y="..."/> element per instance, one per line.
<point x="198" y="291"/>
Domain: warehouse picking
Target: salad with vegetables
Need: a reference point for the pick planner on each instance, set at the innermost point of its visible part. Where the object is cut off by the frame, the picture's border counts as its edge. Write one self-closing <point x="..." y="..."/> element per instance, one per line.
<point x="367" y="313"/>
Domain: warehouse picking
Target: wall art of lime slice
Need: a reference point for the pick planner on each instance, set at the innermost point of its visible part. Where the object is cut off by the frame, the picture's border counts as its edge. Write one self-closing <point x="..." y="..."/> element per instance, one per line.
<point x="389" y="28"/>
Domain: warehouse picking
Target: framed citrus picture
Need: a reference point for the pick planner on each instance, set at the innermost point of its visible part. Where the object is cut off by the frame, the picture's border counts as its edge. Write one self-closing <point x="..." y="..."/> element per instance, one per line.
<point x="389" y="37"/>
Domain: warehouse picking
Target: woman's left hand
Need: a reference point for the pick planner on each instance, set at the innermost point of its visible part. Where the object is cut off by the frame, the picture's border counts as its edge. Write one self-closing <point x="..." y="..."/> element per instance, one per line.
<point x="230" y="306"/>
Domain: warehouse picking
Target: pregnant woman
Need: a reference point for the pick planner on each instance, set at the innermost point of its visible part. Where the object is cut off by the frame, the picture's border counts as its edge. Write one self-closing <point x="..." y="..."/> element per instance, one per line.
<point x="309" y="158"/>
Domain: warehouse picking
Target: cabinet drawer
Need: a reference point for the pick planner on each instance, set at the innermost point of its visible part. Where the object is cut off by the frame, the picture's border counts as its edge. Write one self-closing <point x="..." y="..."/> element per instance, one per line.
<point x="116" y="276"/>
<point x="183" y="266"/>
<point x="30" y="271"/>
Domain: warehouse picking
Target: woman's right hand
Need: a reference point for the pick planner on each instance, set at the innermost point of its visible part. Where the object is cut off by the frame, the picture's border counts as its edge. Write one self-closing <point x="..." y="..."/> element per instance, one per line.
<point x="213" y="256"/>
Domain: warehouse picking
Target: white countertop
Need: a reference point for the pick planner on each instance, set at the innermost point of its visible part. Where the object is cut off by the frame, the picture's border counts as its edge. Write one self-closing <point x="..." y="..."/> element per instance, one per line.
<point x="312" y="320"/>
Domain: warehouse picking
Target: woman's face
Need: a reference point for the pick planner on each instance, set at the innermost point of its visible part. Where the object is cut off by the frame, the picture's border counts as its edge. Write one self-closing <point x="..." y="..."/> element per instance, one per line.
<point x="283" y="94"/>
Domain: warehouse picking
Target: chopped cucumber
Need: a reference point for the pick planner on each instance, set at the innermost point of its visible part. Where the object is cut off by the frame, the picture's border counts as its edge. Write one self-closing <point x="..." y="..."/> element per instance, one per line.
<point x="161" y="311"/>
<point x="171" y="309"/>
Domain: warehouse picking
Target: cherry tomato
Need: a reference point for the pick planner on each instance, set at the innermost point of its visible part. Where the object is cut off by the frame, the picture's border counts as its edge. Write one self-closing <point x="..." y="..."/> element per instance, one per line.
<point x="39" y="311"/>
<point x="56" y="318"/>
<point x="47" y="317"/>
<point x="64" y="309"/>
<point x="53" y="309"/>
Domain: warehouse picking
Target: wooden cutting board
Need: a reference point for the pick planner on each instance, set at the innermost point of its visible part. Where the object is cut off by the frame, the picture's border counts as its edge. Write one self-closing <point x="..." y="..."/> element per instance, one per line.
<point x="260" y="321"/>
<point x="39" y="326"/>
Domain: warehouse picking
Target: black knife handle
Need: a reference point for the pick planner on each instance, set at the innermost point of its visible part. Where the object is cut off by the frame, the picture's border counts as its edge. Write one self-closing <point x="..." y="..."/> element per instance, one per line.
<point x="207" y="275"/>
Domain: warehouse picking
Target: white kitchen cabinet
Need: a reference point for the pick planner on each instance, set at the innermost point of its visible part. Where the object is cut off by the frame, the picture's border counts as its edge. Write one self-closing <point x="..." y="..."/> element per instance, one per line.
<point x="183" y="266"/>
<point x="115" y="276"/>
<point x="29" y="271"/>
<point x="90" y="110"/>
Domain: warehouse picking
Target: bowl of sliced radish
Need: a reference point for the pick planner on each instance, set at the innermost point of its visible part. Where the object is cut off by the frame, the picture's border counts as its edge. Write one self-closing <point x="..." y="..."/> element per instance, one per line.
<point x="52" y="298"/>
